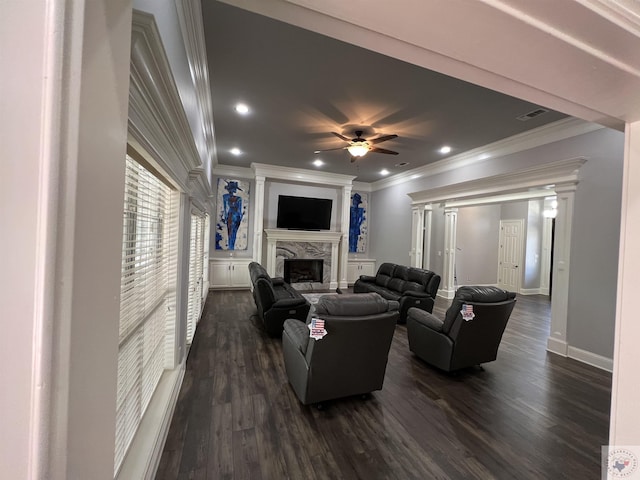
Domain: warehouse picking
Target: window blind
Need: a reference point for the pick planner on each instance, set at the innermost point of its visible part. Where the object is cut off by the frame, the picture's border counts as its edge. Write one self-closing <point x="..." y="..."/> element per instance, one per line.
<point x="196" y="270"/>
<point x="148" y="251"/>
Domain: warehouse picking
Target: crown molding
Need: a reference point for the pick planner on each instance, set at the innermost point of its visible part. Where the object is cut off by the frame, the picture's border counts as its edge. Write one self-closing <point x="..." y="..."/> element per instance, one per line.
<point x="157" y="121"/>
<point x="548" y="177"/>
<point x="231" y="171"/>
<point x="200" y="189"/>
<point x="192" y="28"/>
<point x="301" y="175"/>
<point x="552" y="132"/>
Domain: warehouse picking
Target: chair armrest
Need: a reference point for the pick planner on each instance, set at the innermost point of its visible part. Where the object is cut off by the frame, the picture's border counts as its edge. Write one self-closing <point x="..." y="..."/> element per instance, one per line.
<point x="277" y="281"/>
<point x="298" y="334"/>
<point x="425" y="318"/>
<point x="289" y="302"/>
<point x="367" y="278"/>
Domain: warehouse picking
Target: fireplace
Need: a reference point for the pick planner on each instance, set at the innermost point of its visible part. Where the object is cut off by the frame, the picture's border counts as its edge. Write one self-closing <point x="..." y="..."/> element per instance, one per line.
<point x="299" y="270"/>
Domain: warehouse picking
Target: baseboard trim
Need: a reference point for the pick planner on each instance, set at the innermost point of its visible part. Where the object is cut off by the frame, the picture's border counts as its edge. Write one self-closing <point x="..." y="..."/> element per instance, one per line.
<point x="556" y="346"/>
<point x="531" y="291"/>
<point x="590" y="358"/>
<point x="144" y="454"/>
<point x="448" y="294"/>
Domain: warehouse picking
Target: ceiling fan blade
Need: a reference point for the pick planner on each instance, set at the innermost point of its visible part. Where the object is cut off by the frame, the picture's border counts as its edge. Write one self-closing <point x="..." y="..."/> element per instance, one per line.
<point x="330" y="149"/>
<point x="384" y="138"/>
<point x="383" y="150"/>
<point x="342" y="137"/>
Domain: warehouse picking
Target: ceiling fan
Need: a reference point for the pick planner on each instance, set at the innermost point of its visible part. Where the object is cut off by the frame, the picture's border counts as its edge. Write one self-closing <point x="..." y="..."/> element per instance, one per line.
<point x="359" y="146"/>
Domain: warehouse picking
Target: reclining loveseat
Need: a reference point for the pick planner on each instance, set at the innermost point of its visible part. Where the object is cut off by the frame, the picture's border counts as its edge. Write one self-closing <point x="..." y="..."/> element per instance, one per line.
<point x="409" y="286"/>
<point x="276" y="300"/>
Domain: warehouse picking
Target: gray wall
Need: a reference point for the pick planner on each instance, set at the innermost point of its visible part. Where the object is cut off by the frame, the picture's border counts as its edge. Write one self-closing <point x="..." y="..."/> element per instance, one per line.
<point x="390" y="225"/>
<point x="594" y="255"/>
<point x="594" y="245"/>
<point x="477" y="245"/>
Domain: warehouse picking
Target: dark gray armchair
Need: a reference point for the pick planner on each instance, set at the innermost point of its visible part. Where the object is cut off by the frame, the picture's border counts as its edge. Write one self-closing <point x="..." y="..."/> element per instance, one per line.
<point x="351" y="359"/>
<point x="454" y="342"/>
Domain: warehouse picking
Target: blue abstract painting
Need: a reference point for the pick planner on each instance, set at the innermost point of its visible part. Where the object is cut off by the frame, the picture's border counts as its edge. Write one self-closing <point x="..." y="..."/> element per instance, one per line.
<point x="232" y="218"/>
<point x="358" y="224"/>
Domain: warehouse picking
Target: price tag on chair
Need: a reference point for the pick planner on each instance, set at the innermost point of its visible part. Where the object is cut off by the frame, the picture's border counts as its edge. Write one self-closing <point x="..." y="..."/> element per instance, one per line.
<point x="467" y="312"/>
<point x="317" y="330"/>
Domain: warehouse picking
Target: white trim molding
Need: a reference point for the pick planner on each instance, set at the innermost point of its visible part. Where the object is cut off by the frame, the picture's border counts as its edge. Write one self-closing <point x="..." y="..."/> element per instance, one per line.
<point x="590" y="358"/>
<point x="544" y="177"/>
<point x="158" y="124"/>
<point x="192" y="28"/>
<point x="301" y="175"/>
<point x="531" y="291"/>
<point x="551" y="132"/>
<point x="143" y="457"/>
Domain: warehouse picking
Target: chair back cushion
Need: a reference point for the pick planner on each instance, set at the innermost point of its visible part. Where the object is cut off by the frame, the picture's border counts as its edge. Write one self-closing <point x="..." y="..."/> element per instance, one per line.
<point x="473" y="294"/>
<point x="385" y="272"/>
<point x="351" y="305"/>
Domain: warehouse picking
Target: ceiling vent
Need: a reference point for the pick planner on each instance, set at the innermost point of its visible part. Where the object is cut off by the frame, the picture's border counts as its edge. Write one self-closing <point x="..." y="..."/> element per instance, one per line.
<point x="530" y="115"/>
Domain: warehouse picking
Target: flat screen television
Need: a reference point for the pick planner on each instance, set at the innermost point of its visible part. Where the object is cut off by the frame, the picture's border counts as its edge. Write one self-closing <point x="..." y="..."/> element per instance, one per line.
<point x="302" y="213"/>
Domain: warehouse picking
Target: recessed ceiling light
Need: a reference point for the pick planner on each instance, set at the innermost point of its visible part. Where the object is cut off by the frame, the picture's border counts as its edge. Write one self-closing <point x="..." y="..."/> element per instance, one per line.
<point x="384" y="172"/>
<point x="445" y="149"/>
<point x="242" y="108"/>
<point x="317" y="152"/>
<point x="318" y="162"/>
<point x="236" y="151"/>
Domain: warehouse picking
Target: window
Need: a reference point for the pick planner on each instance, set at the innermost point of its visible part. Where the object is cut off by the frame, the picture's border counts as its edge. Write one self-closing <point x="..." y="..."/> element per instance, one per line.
<point x="197" y="293"/>
<point x="147" y="296"/>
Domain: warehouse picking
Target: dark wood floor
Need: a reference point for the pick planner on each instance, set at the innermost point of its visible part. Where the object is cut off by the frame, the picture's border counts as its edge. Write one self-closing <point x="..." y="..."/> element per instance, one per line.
<point x="529" y="415"/>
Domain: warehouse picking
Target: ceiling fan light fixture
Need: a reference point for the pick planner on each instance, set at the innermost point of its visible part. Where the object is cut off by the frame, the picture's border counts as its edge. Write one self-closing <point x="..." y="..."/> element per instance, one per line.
<point x="358" y="149"/>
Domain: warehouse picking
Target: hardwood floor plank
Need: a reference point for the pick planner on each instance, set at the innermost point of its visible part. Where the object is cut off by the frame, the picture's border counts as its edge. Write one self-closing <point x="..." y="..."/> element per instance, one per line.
<point x="528" y="415"/>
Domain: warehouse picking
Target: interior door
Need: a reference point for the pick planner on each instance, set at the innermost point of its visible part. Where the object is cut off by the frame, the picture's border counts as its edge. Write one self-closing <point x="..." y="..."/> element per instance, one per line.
<point x="510" y="254"/>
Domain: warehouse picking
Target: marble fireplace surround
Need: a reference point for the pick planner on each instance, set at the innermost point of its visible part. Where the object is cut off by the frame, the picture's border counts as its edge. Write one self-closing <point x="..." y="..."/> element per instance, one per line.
<point x="299" y="244"/>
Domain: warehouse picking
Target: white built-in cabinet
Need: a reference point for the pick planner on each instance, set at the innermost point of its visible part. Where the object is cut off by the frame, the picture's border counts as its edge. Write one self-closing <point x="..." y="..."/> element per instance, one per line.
<point x="360" y="266"/>
<point x="229" y="273"/>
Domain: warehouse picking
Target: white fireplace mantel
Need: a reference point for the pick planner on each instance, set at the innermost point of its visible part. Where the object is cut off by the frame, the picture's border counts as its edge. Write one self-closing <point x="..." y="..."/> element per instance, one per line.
<point x="275" y="235"/>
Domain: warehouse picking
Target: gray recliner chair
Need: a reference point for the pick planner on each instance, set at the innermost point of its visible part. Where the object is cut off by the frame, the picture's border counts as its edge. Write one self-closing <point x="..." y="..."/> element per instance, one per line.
<point x="351" y="359"/>
<point x="456" y="342"/>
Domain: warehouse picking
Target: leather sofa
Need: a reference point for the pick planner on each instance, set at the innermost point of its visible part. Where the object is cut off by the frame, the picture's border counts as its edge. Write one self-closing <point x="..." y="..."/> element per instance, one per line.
<point x="351" y="359"/>
<point x="457" y="342"/>
<point x="409" y="286"/>
<point x="276" y="300"/>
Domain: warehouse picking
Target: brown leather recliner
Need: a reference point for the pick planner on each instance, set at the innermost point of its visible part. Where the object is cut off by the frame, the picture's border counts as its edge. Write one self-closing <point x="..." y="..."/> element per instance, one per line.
<point x="351" y="359"/>
<point x="456" y="342"/>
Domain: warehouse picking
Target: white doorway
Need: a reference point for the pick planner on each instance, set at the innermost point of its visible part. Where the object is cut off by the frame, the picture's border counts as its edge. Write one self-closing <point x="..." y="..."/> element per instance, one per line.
<point x="510" y="254"/>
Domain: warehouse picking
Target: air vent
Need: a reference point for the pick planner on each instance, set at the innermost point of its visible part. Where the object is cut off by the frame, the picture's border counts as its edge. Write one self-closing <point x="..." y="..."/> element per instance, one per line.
<point x="402" y="164"/>
<point x="530" y="115"/>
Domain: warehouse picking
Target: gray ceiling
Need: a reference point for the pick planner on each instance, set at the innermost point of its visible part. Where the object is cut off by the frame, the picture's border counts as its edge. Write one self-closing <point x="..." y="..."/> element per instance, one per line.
<point x="302" y="85"/>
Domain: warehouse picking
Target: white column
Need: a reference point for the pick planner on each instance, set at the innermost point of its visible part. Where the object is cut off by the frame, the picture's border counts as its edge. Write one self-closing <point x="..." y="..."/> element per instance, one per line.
<point x="625" y="394"/>
<point x="448" y="275"/>
<point x="426" y="236"/>
<point x="344" y="228"/>
<point x="417" y="232"/>
<point x="258" y="218"/>
<point x="557" y="341"/>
